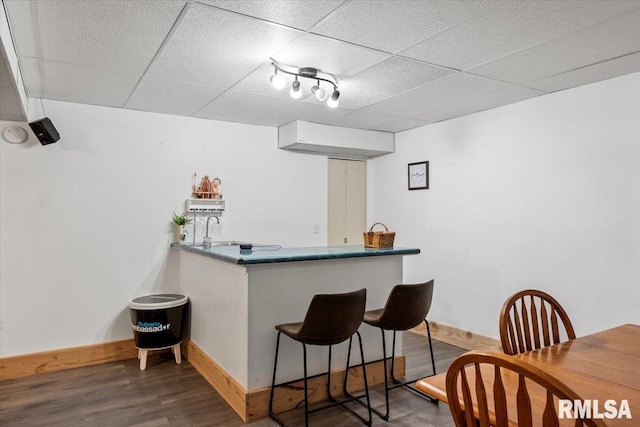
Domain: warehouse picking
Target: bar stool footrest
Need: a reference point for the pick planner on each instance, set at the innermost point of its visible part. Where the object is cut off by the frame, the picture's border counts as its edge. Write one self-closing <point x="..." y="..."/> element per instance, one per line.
<point x="341" y="403"/>
<point x="409" y="386"/>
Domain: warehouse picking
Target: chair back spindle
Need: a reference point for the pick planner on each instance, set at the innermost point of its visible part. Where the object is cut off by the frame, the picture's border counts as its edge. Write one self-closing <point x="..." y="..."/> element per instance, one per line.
<point x="470" y="398"/>
<point x="530" y="320"/>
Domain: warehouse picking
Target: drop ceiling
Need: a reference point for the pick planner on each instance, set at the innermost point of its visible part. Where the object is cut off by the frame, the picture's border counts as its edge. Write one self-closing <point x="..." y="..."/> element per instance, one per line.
<point x="400" y="64"/>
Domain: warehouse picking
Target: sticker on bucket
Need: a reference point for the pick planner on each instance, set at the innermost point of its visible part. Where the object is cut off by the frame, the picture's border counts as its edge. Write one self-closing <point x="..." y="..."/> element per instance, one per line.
<point x="150" y="327"/>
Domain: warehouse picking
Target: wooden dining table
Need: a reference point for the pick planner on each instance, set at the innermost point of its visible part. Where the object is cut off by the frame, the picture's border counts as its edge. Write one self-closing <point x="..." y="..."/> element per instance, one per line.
<point x="601" y="366"/>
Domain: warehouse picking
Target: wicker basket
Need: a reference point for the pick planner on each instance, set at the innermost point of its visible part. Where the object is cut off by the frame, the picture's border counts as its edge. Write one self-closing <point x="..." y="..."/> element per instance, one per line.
<point x="379" y="239"/>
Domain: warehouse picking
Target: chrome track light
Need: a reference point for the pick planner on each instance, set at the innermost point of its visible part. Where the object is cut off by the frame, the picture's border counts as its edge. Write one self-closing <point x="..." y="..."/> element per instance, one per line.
<point x="295" y="92"/>
<point x="333" y="100"/>
<point x="278" y="81"/>
<point x="320" y="93"/>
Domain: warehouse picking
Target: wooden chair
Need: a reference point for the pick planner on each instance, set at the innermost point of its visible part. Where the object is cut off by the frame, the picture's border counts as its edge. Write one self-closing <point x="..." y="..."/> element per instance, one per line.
<point x="506" y="372"/>
<point x="529" y="320"/>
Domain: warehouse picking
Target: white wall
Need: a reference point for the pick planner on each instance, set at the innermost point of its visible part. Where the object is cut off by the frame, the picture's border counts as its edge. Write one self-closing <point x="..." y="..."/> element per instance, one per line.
<point x="540" y="194"/>
<point x="85" y="221"/>
<point x="544" y="193"/>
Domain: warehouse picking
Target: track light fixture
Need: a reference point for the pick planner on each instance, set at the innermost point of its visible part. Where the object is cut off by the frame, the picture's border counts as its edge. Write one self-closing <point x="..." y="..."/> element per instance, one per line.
<point x="320" y="93"/>
<point x="278" y="81"/>
<point x="295" y="92"/>
<point x="333" y="100"/>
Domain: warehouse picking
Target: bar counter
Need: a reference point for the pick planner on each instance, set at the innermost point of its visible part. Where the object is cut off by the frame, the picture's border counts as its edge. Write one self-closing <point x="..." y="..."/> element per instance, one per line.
<point x="238" y="296"/>
<point x="262" y="254"/>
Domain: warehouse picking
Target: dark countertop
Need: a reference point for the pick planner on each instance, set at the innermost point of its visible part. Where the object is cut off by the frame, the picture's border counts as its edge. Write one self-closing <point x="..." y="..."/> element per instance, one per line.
<point x="271" y="254"/>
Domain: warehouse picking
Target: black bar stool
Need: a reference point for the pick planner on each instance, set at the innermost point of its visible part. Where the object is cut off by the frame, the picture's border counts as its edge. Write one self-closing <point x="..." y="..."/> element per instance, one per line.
<point x="330" y="319"/>
<point x="406" y="307"/>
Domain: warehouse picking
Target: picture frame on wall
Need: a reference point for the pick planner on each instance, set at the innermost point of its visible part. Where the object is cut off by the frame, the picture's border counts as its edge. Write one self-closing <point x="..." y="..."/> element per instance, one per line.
<point x="418" y="175"/>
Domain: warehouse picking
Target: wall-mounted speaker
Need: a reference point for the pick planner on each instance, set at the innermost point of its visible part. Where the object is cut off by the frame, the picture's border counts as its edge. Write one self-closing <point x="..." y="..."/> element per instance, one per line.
<point x="45" y="131"/>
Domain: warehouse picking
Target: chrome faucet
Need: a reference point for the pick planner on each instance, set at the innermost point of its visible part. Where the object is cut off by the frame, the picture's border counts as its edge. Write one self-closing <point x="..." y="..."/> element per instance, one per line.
<point x="193" y="214"/>
<point x="207" y="240"/>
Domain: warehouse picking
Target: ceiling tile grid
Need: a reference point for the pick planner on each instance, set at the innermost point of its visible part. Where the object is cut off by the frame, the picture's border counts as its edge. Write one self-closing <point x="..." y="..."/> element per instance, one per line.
<point x="332" y="56"/>
<point x="213" y="47"/>
<point x="591" y="74"/>
<point x="511" y="27"/>
<point x="597" y="43"/>
<point x="385" y="79"/>
<point x="506" y="95"/>
<point x="395" y="25"/>
<point x="296" y="14"/>
<point x="240" y="107"/>
<point x="170" y="97"/>
<point x="109" y="34"/>
<point x="77" y="83"/>
<point x="445" y="92"/>
<point x="399" y="63"/>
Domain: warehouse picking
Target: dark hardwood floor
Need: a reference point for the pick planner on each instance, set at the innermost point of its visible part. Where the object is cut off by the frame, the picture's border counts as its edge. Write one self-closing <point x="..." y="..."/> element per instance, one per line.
<point x="166" y="394"/>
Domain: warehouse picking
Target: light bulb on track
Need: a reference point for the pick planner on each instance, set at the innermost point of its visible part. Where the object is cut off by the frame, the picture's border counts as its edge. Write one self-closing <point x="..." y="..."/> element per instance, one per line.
<point x="320" y="93"/>
<point x="333" y="100"/>
<point x="295" y="89"/>
<point x="277" y="80"/>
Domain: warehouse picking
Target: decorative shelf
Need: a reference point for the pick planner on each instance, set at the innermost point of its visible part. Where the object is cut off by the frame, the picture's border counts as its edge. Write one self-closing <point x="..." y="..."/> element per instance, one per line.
<point x="204" y="205"/>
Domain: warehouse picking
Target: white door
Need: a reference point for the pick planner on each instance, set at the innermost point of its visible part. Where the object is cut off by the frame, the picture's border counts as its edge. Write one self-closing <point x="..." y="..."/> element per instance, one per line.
<point x="346" y="201"/>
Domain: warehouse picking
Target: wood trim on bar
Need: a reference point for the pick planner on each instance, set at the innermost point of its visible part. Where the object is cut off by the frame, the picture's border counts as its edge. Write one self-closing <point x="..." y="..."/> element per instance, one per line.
<point x="66" y="358"/>
<point x="230" y="390"/>
<point x="459" y="337"/>
<point x="252" y="405"/>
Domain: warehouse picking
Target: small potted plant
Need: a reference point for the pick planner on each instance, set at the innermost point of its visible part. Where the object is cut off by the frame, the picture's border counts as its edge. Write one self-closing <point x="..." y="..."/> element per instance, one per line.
<point x="179" y="230"/>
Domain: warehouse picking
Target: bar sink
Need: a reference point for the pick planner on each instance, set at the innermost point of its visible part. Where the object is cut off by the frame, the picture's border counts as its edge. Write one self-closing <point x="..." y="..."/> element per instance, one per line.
<point x="224" y="243"/>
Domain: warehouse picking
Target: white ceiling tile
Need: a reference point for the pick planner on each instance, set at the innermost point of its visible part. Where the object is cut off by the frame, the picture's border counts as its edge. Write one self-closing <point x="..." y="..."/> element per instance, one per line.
<point x="31" y="77"/>
<point x="511" y="27"/>
<point x="361" y="120"/>
<point x="395" y="25"/>
<point x="617" y="37"/>
<point x="121" y="35"/>
<point x="204" y="49"/>
<point x="301" y="111"/>
<point x="493" y="99"/>
<point x="10" y="105"/>
<point x="594" y="73"/>
<point x="87" y="85"/>
<point x="447" y="91"/>
<point x="388" y="78"/>
<point x="332" y="56"/>
<point x="297" y="14"/>
<point x="23" y="30"/>
<point x="166" y="96"/>
<point x="240" y="107"/>
<point x="401" y="125"/>
<point x="214" y="47"/>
